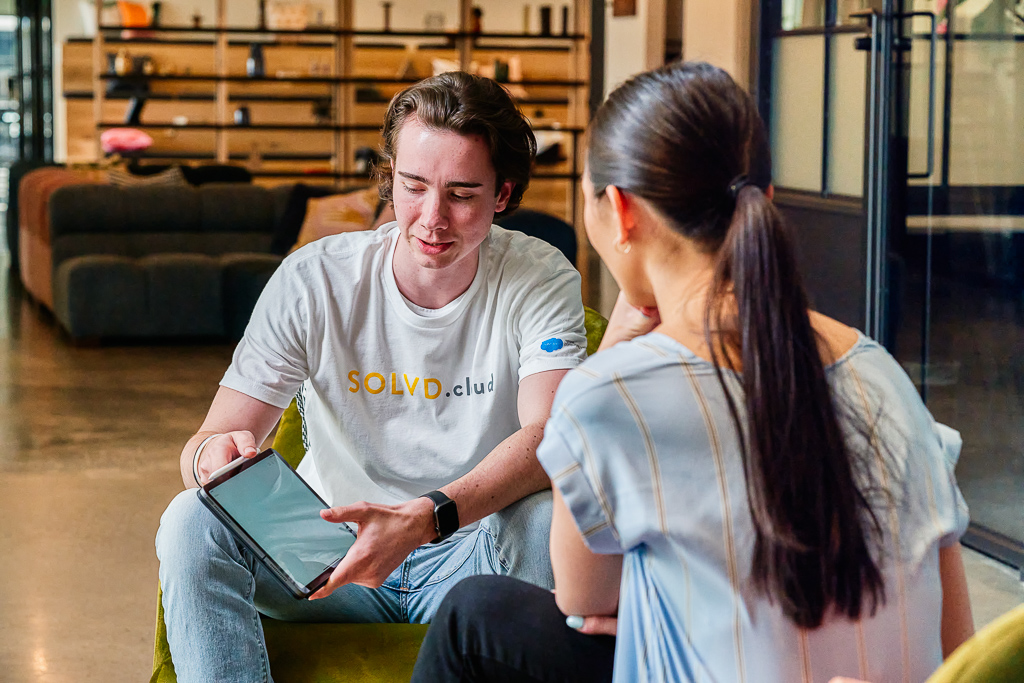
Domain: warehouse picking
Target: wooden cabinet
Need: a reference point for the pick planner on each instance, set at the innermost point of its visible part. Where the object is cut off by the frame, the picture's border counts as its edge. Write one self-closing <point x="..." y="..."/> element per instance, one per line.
<point x="322" y="95"/>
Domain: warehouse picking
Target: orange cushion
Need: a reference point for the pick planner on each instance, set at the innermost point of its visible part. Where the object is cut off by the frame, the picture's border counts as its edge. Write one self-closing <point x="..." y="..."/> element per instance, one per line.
<point x="338" y="213"/>
<point x="133" y="14"/>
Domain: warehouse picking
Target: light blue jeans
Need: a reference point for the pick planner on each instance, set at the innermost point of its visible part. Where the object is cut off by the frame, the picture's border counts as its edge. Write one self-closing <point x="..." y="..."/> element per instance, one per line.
<point x="214" y="590"/>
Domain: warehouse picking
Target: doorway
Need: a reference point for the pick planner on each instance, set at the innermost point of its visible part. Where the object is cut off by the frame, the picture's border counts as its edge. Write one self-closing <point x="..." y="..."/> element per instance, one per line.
<point x="899" y="160"/>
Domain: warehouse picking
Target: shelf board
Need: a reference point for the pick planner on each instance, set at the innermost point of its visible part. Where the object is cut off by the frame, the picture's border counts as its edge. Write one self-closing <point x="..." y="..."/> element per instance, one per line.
<point x="238" y="78"/>
<point x="87" y="95"/>
<point x="237" y="156"/>
<point x="215" y="77"/>
<point x="254" y="126"/>
<point x="352" y="127"/>
<point x="313" y="31"/>
<point x="333" y="31"/>
<point x="203" y="97"/>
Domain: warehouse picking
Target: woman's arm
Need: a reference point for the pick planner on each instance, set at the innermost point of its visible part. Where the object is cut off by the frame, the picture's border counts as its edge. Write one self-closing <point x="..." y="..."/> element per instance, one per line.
<point x="957" y="622"/>
<point x="585" y="583"/>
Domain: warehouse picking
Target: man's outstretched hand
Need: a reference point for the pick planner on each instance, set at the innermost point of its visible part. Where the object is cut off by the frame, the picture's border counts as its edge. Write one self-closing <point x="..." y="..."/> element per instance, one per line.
<point x="387" y="534"/>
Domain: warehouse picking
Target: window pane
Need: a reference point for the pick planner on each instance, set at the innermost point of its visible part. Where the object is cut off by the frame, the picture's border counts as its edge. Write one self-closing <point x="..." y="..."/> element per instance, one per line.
<point x="798" y="84"/>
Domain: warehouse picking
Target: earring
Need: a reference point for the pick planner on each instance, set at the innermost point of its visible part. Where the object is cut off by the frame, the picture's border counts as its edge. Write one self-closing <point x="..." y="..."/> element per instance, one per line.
<point x="626" y="249"/>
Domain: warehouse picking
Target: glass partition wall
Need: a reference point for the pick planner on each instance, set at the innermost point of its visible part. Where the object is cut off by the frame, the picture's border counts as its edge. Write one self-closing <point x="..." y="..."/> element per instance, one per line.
<point x="899" y="159"/>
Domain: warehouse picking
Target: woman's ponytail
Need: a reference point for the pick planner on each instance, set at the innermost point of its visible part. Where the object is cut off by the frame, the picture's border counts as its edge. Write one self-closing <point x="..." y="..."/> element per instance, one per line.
<point x="811" y="550"/>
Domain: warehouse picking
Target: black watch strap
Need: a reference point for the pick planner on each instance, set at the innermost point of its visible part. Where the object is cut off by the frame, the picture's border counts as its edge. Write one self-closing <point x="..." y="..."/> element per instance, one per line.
<point x="446" y="515"/>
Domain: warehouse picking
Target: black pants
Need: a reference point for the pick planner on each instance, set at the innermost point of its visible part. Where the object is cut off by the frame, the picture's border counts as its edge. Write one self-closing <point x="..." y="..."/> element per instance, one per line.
<point x="498" y="629"/>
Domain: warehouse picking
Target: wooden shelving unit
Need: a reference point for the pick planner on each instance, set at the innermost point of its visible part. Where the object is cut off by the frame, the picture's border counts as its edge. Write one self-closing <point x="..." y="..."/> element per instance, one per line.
<point x="200" y="75"/>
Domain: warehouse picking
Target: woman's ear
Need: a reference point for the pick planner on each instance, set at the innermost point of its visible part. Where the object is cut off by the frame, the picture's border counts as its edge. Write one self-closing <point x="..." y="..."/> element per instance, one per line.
<point x="624" y="207"/>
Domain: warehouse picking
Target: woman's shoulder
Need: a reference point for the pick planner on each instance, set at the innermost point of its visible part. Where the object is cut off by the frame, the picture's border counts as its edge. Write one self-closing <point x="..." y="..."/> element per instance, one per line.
<point x="626" y="361"/>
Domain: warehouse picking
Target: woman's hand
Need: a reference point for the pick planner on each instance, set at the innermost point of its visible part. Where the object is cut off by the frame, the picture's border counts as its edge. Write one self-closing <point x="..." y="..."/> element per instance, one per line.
<point x="594" y="625"/>
<point x="627" y="322"/>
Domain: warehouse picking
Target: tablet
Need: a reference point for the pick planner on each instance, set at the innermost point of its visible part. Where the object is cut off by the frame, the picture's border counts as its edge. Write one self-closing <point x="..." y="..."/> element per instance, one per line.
<point x="275" y="513"/>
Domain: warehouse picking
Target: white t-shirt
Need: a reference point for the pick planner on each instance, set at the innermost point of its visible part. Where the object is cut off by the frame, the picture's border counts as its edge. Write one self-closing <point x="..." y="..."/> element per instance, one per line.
<point x="398" y="400"/>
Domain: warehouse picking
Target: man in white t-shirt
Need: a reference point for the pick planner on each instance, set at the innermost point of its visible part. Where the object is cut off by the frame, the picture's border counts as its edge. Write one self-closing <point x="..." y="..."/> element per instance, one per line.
<point x="425" y="356"/>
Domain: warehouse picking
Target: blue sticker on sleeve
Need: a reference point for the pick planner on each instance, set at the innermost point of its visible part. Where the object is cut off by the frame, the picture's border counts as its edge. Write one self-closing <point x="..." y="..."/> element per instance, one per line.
<point x="552" y="344"/>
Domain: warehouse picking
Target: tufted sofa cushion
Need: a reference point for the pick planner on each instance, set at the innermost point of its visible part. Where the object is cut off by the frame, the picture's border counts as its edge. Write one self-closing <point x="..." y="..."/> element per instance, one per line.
<point x="160" y="261"/>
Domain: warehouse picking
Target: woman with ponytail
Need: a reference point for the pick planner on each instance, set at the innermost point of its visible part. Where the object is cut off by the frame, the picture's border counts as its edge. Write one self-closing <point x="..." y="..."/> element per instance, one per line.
<point x="752" y="491"/>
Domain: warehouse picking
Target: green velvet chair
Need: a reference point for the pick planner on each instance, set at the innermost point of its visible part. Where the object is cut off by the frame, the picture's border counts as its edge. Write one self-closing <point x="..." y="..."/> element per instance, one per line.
<point x="995" y="654"/>
<point x="332" y="653"/>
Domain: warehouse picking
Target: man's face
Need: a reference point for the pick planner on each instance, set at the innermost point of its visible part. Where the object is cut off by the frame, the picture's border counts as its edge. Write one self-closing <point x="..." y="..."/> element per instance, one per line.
<point x="444" y="194"/>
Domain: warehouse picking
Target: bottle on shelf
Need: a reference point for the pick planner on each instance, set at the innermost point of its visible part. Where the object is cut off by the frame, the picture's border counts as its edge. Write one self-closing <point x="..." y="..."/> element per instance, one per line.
<point x="254" y="66"/>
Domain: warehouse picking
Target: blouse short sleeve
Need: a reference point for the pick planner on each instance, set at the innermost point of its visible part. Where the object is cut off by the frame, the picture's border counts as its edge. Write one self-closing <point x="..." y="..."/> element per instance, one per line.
<point x="566" y="455"/>
<point x="957" y="516"/>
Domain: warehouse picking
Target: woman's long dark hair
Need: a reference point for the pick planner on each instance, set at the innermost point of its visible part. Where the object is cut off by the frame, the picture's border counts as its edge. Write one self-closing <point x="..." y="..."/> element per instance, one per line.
<point x="687" y="139"/>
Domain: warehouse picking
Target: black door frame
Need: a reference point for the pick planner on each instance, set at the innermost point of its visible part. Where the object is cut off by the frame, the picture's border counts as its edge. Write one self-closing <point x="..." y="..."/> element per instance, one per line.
<point x="35" y="79"/>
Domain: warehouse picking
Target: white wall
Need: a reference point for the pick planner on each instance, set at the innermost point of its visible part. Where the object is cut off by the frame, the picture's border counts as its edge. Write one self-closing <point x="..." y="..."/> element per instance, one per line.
<point x="719" y="32"/>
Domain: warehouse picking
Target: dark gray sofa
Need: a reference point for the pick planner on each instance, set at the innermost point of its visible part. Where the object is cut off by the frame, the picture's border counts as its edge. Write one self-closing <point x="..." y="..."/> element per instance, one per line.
<point x="161" y="261"/>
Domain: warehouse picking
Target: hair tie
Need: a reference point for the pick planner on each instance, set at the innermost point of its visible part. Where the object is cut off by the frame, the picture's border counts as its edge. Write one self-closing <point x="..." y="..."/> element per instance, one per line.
<point x="737" y="185"/>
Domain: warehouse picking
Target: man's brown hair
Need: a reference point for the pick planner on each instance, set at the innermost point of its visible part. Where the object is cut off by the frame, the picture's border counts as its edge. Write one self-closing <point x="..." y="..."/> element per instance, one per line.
<point x="468" y="105"/>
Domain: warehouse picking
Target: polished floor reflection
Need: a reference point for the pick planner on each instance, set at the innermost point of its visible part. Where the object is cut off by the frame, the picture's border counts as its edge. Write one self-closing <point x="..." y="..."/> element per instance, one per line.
<point x="89" y="440"/>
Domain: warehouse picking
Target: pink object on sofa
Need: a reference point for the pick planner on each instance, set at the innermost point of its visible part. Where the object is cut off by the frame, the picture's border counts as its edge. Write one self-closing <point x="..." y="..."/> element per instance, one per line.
<point x="124" y="140"/>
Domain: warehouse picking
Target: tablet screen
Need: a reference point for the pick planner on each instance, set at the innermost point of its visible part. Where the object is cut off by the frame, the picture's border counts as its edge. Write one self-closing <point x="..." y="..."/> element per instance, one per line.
<point x="276" y="508"/>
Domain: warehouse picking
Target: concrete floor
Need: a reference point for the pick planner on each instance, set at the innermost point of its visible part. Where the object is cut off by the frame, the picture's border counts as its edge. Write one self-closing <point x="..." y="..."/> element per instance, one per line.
<point x="89" y="441"/>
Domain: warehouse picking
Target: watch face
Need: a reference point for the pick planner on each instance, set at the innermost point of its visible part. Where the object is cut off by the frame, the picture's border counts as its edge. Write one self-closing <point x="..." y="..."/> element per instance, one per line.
<point x="447" y="516"/>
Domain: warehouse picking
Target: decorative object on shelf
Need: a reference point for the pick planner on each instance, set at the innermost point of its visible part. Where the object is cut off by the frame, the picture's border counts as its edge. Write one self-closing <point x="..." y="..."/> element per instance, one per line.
<point x="262" y="25"/>
<point x="179" y="120"/>
<point x="623" y="8"/>
<point x="545" y="20"/>
<point x="500" y="71"/>
<point x="154" y="16"/>
<point x="242" y="116"/>
<point x="515" y="68"/>
<point x="318" y="68"/>
<point x="387" y="15"/>
<point x="254" y="66"/>
<point x="443" y="66"/>
<point x="255" y="161"/>
<point x="87" y="10"/>
<point x="549" y="147"/>
<point x="322" y="111"/>
<point x="526" y="18"/>
<point x="370" y="93"/>
<point x="124" y="141"/>
<point x="408" y="67"/>
<point x="197" y="19"/>
<point x="434" y="21"/>
<point x="133" y="114"/>
<point x="122" y="62"/>
<point x="133" y="14"/>
<point x="366" y="159"/>
<point x="288" y="16"/>
<point x="565" y="20"/>
<point x="477" y="22"/>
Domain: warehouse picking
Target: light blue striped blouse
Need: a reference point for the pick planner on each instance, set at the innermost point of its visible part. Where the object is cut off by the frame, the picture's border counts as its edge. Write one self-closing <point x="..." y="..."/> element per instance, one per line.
<point x="643" y="449"/>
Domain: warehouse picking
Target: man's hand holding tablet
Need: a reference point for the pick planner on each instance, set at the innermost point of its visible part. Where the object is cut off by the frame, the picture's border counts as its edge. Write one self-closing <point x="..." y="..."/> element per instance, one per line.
<point x="218" y="450"/>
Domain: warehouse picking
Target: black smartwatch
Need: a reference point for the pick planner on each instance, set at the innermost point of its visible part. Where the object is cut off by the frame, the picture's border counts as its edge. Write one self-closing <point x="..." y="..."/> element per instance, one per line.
<point x="446" y="515"/>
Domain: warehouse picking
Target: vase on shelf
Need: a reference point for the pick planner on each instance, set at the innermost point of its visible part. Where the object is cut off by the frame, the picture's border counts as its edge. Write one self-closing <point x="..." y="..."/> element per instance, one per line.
<point x="254" y="66"/>
<point x="545" y="20"/>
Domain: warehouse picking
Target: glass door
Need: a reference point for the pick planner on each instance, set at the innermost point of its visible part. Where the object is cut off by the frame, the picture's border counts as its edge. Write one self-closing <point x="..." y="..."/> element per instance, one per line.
<point x="899" y="160"/>
<point x="958" y="231"/>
